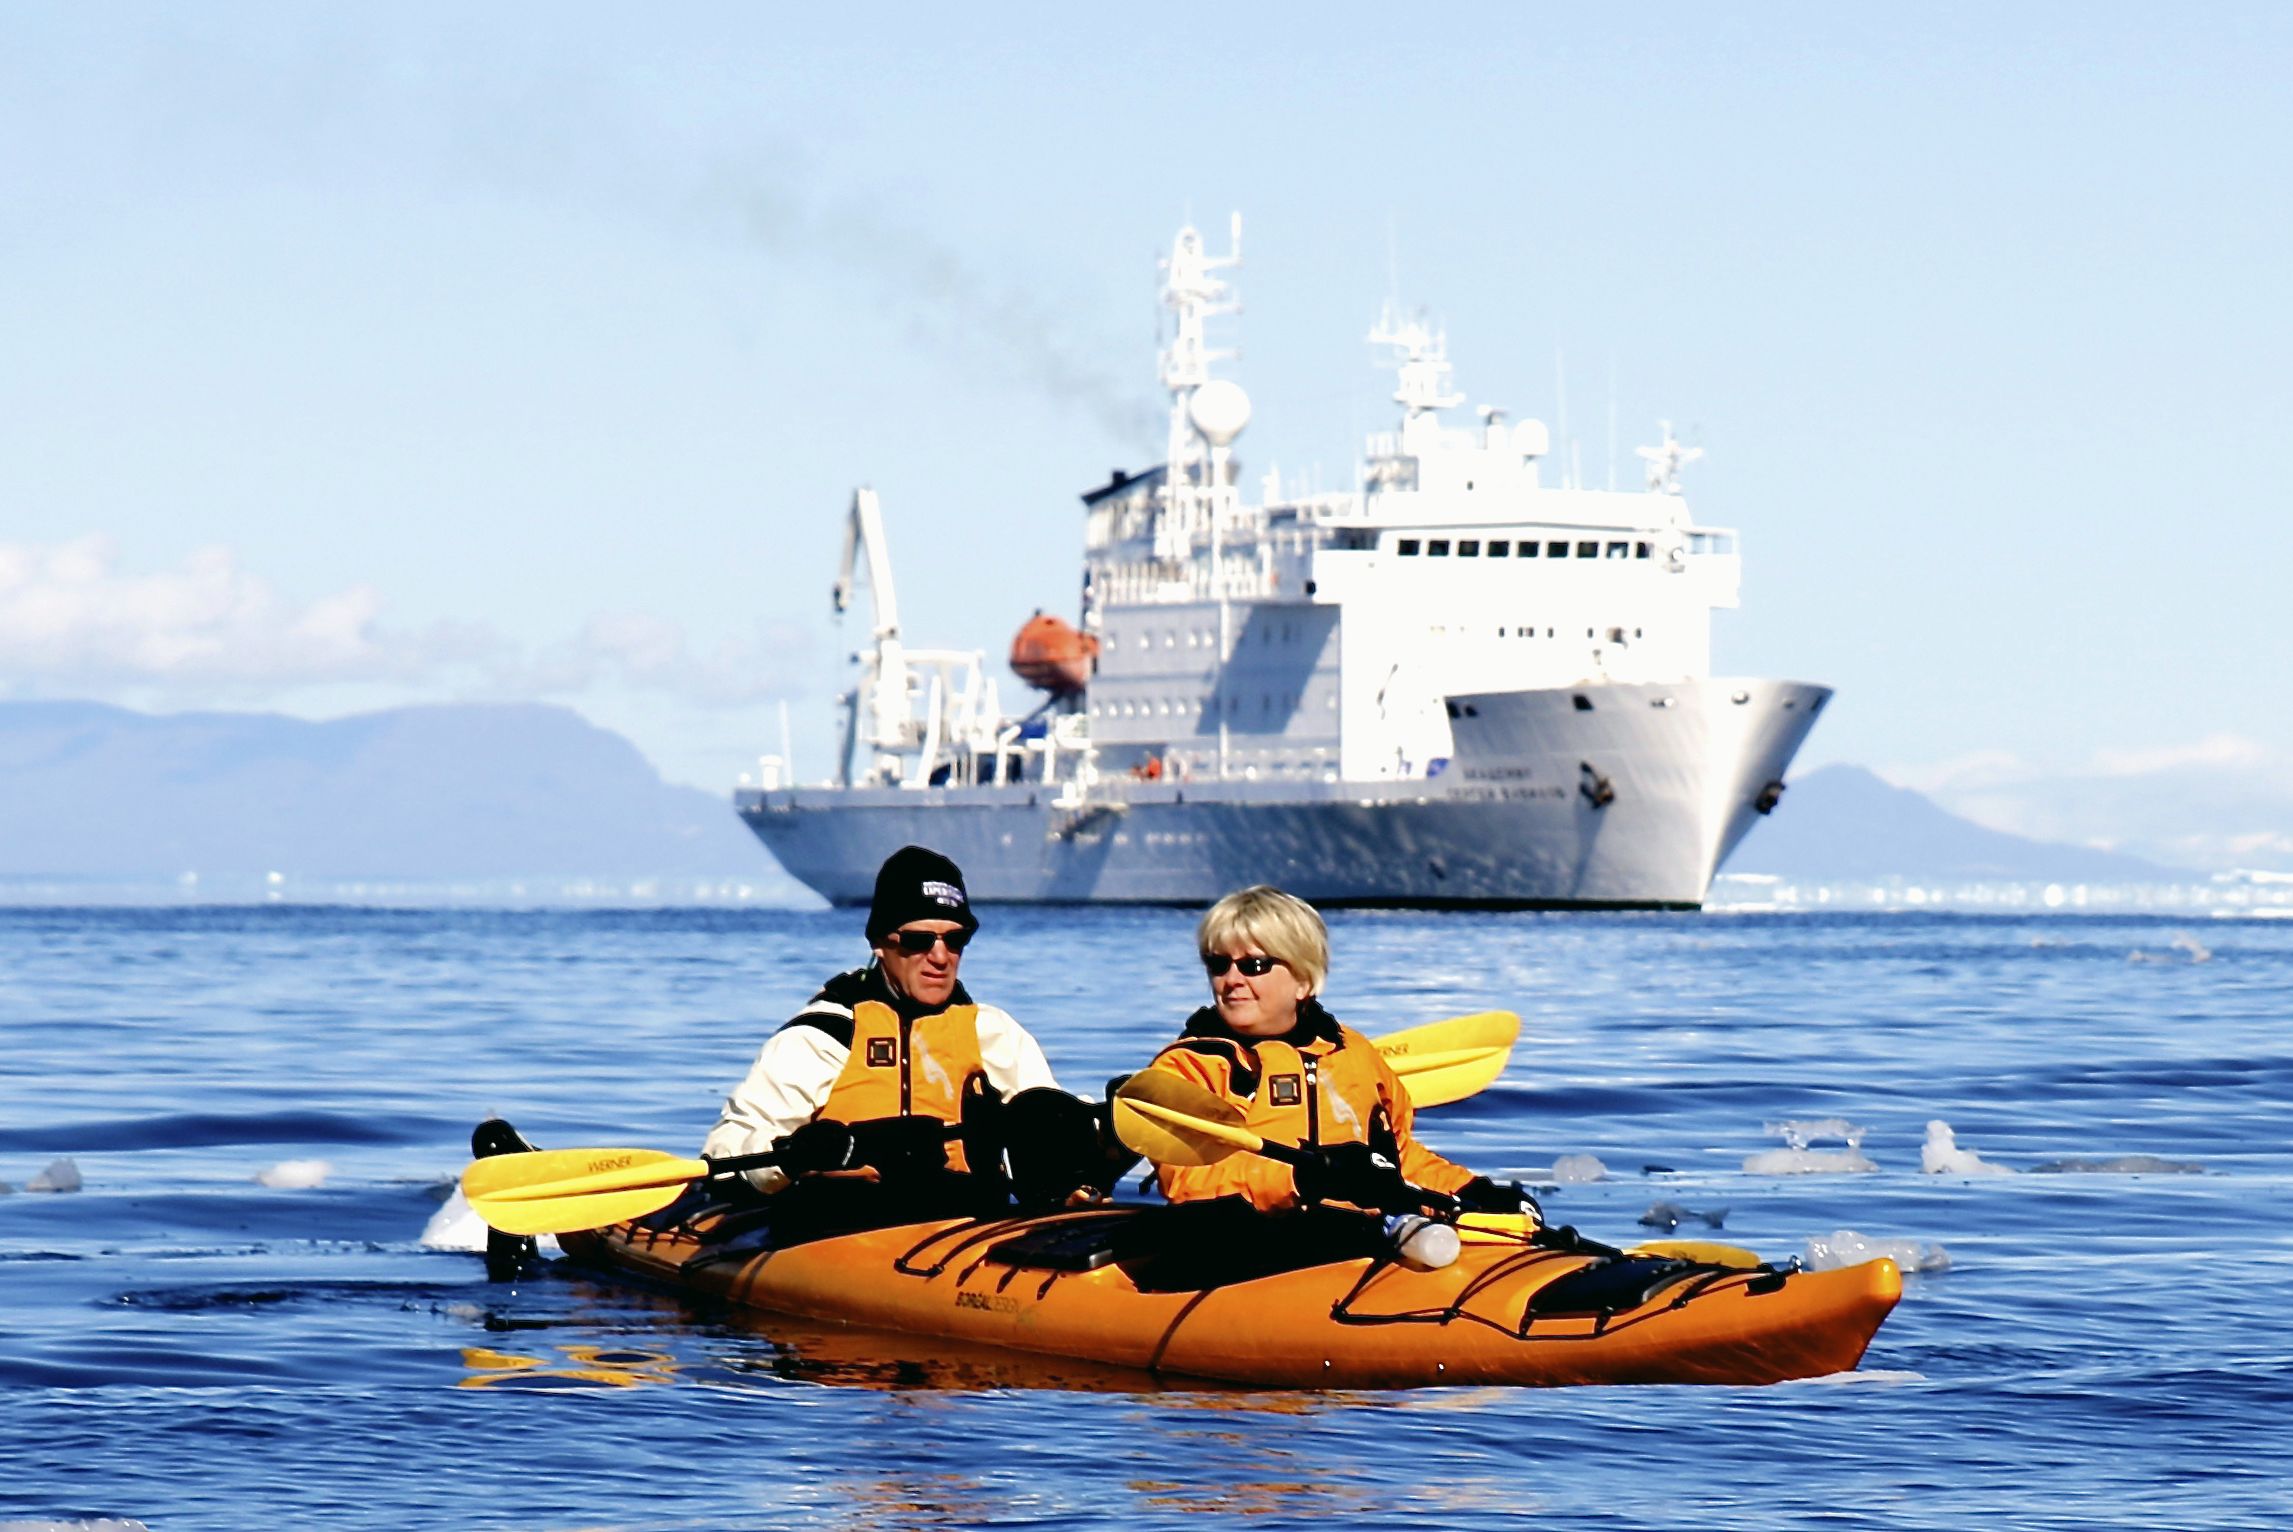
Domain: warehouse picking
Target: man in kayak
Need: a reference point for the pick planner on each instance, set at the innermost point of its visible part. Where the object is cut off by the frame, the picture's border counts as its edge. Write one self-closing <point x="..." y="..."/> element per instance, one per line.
<point x="1267" y="1044"/>
<point x="860" y="1091"/>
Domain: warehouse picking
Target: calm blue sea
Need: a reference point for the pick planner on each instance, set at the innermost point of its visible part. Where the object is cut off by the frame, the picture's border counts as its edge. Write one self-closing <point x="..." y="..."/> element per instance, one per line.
<point x="186" y="1346"/>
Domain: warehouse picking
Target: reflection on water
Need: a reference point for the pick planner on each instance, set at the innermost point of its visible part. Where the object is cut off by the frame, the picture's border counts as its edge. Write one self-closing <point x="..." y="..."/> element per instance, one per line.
<point x="1322" y="1496"/>
<point x="572" y="1367"/>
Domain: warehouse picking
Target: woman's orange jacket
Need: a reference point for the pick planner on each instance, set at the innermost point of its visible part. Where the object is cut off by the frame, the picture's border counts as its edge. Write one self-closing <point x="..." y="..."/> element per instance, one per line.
<point x="1320" y="1084"/>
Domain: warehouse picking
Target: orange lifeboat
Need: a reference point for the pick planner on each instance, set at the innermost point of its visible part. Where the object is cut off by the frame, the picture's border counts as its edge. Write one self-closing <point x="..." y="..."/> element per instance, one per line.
<point x="1052" y="656"/>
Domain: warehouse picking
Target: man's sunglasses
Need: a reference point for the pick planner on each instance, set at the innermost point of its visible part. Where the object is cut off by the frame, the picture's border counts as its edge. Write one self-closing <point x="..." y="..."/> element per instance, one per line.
<point x="1252" y="967"/>
<point x="917" y="943"/>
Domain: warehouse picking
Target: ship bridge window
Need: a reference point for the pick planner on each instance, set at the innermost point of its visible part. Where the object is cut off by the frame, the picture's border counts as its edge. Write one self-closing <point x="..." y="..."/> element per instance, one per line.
<point x="1499" y="547"/>
<point x="1583" y="703"/>
<point x="1556" y="550"/>
<point x="1618" y="550"/>
<point x="1640" y="550"/>
<point x="1407" y="547"/>
<point x="1588" y="550"/>
<point x="1437" y="548"/>
<point x="1470" y="548"/>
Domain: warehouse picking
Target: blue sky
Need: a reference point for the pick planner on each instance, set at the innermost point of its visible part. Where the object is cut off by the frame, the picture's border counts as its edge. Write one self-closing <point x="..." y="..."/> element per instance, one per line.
<point x="351" y="357"/>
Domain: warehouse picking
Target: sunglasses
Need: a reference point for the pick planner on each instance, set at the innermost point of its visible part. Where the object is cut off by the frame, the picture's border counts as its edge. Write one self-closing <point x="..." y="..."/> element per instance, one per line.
<point x="917" y="943"/>
<point x="1216" y="963"/>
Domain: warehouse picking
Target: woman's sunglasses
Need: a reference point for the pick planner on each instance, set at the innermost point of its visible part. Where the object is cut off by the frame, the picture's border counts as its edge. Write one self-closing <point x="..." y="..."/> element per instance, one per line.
<point x="917" y="943"/>
<point x="1252" y="967"/>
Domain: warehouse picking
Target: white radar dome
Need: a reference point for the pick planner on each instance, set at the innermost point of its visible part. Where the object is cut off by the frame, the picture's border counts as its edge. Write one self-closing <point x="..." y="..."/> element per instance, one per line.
<point x="1530" y="439"/>
<point x="1220" y="410"/>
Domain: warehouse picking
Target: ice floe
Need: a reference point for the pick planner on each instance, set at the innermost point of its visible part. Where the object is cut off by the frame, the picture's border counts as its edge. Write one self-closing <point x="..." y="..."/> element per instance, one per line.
<point x="60" y="1176"/>
<point x="1941" y="1155"/>
<point x="1799" y="1132"/>
<point x="2183" y="948"/>
<point x="1579" y="1168"/>
<point x="295" y="1175"/>
<point x="1845" y="1247"/>
<point x="1798" y="1158"/>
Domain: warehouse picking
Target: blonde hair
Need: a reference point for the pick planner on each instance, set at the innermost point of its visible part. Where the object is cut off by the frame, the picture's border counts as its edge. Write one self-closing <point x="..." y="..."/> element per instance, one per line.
<point x="1282" y="926"/>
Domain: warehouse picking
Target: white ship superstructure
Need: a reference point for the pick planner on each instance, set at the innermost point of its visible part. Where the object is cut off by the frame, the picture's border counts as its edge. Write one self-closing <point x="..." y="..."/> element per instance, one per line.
<point x="1452" y="684"/>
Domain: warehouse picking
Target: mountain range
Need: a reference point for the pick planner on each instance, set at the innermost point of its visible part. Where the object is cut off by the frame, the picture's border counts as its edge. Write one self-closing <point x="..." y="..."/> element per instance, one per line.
<point x="1843" y="824"/>
<point x="491" y="793"/>
<point x="484" y="792"/>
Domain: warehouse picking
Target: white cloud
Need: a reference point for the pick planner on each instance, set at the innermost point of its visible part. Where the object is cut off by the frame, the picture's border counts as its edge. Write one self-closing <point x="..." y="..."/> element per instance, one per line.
<point x="70" y="616"/>
<point x="72" y="619"/>
<point x="2223" y="750"/>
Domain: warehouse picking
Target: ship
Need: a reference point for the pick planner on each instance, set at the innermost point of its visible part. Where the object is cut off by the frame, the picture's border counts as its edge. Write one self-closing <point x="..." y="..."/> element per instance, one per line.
<point x="1453" y="685"/>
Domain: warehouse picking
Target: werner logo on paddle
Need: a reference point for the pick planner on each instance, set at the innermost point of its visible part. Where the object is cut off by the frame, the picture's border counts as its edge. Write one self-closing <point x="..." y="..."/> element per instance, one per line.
<point x="604" y="1162"/>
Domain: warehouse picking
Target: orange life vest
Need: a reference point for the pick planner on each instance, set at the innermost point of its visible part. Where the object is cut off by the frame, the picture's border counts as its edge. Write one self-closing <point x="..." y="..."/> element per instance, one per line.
<point x="908" y="1069"/>
<point x="1324" y="1084"/>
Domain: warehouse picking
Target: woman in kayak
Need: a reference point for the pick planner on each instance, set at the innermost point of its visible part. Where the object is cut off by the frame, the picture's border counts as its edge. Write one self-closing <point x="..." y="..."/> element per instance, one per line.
<point x="1267" y="1044"/>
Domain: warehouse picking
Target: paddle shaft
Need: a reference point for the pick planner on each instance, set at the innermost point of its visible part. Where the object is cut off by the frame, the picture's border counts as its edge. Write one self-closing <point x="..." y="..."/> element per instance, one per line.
<point x="1251" y="1143"/>
<point x="648" y="1175"/>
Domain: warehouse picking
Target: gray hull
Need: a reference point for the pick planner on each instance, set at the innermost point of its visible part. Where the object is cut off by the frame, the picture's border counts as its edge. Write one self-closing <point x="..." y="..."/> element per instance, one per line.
<point x="1609" y="796"/>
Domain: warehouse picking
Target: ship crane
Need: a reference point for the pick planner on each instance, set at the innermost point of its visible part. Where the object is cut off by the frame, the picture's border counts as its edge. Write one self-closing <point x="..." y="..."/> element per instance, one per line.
<point x="933" y="704"/>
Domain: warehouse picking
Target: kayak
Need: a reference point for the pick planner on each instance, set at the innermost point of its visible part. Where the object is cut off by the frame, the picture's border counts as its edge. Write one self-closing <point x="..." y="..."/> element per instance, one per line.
<point x="1132" y="1287"/>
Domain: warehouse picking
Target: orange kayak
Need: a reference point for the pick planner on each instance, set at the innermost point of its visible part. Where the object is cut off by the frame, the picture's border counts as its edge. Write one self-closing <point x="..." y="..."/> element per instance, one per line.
<point x="1107" y="1286"/>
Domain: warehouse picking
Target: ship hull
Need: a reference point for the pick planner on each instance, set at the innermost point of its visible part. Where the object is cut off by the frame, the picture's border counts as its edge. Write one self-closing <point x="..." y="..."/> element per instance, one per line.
<point x="1629" y="798"/>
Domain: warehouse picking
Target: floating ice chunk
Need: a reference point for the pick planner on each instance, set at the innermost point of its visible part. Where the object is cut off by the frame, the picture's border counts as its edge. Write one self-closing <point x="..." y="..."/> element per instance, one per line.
<point x="1801" y="1132"/>
<point x="1577" y="1168"/>
<point x="2183" y="943"/>
<point x="1941" y="1155"/>
<point x="1670" y="1215"/>
<point x="1807" y="1162"/>
<point x="455" y="1226"/>
<point x="295" y="1175"/>
<point x="1845" y="1247"/>
<point x="2121" y="1165"/>
<point x="60" y="1176"/>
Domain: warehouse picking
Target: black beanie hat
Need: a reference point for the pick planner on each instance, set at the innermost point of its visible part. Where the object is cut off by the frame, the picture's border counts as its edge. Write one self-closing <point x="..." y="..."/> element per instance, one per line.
<point x="916" y="883"/>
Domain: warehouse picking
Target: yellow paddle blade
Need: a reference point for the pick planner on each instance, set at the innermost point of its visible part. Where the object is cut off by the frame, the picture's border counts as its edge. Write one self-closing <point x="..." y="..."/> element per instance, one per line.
<point x="1173" y="1121"/>
<point x="1445" y="1061"/>
<point x="1709" y="1251"/>
<point x="555" y="1191"/>
<point x="1482" y="1029"/>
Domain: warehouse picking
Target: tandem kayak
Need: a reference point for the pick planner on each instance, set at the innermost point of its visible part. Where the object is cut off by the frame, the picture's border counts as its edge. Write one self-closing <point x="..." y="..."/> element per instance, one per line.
<point x="1134" y="1287"/>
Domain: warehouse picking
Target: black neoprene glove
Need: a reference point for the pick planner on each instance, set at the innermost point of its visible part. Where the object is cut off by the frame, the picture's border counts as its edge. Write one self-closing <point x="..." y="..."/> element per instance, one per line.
<point x="1482" y="1195"/>
<point x="901" y="1146"/>
<point x="825" y="1144"/>
<point x="1358" y="1174"/>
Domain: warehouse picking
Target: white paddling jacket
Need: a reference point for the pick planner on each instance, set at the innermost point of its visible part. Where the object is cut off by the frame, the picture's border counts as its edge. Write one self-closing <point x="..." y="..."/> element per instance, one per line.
<point x="799" y="1066"/>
